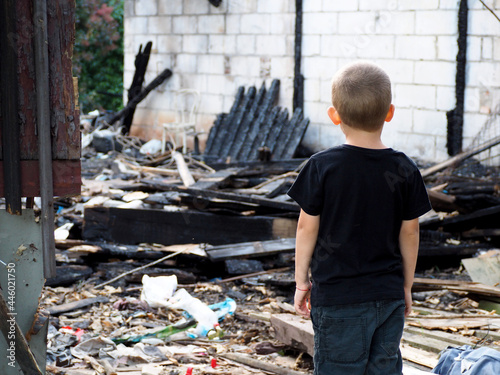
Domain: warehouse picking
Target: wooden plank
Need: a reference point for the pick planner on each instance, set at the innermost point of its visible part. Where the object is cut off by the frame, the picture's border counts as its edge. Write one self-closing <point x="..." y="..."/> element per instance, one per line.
<point x="216" y="179"/>
<point x="475" y="288"/>
<point x="66" y="178"/>
<point x="70" y="306"/>
<point x="277" y="128"/>
<point x="294" y="331"/>
<point x="186" y="176"/>
<point x="134" y="226"/>
<point x="242" y="110"/>
<point x="266" y="366"/>
<point x="477" y="219"/>
<point x="259" y="124"/>
<point x="460" y="157"/>
<point x="475" y="233"/>
<point x="64" y="118"/>
<point x="259" y="167"/>
<point x="453" y="324"/>
<point x="425" y="343"/>
<point x="295" y="139"/>
<point x="418" y="356"/>
<point x="484" y="270"/>
<point x="267" y="123"/>
<point x="213" y="132"/>
<point x="487" y="334"/>
<point x="26" y="79"/>
<point x="166" y="74"/>
<point x="449" y="338"/>
<point x="286" y="134"/>
<point x="43" y="121"/>
<point x="9" y="85"/>
<point x="441" y="201"/>
<point x="250" y="249"/>
<point x="264" y="202"/>
<point x="462" y="250"/>
<point x="250" y="117"/>
<point x="225" y="127"/>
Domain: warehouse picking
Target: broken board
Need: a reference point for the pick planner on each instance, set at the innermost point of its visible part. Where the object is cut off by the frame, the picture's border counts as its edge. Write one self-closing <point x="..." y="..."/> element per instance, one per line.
<point x="294" y="331"/>
<point x="250" y="249"/>
<point x="134" y="226"/>
<point x="484" y="270"/>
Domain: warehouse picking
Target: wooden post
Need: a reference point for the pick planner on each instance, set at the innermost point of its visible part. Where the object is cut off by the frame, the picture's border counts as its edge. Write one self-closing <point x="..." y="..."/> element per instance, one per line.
<point x="44" y="137"/>
<point x="9" y="107"/>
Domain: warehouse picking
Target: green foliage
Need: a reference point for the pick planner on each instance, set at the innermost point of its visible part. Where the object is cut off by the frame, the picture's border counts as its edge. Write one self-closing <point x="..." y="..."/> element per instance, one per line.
<point x="98" y="54"/>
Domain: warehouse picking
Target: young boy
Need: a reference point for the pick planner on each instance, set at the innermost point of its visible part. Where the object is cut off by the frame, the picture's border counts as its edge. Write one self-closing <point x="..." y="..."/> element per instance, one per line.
<point x="358" y="232"/>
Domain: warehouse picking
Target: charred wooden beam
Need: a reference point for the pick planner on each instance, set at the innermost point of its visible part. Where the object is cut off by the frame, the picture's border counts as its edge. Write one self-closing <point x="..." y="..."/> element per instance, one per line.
<point x="141" y="65"/>
<point x="256" y="167"/>
<point x="264" y="202"/>
<point x="255" y="122"/>
<point x="133" y="226"/>
<point x="456" y="116"/>
<point x="244" y="129"/>
<point x="167" y="73"/>
<point x="238" y="120"/>
<point x="255" y="136"/>
<point x="275" y="130"/>
<point x="298" y="79"/>
<point x="10" y="107"/>
<point x="214" y="146"/>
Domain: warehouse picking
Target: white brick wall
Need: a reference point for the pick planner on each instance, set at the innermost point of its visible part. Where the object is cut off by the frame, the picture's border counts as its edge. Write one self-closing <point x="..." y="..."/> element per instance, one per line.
<point x="246" y="42"/>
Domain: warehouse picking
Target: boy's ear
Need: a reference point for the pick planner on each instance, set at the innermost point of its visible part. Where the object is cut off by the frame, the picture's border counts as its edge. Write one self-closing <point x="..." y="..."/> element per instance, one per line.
<point x="390" y="113"/>
<point x="334" y="115"/>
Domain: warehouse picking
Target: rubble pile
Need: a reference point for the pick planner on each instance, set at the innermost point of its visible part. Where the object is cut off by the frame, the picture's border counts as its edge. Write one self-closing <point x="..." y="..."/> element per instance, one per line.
<point x="225" y="231"/>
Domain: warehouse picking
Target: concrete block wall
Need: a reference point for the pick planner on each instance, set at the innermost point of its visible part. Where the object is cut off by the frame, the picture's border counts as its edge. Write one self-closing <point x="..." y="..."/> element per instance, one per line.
<point x="213" y="50"/>
<point x="246" y="42"/>
<point x="416" y="42"/>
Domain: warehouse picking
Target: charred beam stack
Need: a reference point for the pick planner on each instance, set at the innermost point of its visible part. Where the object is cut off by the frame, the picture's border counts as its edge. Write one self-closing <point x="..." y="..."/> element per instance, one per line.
<point x="255" y="122"/>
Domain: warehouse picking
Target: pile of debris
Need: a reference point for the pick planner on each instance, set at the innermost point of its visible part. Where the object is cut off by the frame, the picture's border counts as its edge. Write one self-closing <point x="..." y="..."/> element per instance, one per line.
<point x="223" y="225"/>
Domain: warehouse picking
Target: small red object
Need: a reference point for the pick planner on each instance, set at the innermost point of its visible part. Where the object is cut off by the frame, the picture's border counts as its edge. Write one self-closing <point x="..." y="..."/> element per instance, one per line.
<point x="213" y="363"/>
<point x="189" y="371"/>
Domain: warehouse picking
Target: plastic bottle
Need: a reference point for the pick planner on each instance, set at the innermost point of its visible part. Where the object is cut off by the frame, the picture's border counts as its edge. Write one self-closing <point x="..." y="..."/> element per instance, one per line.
<point x="216" y="332"/>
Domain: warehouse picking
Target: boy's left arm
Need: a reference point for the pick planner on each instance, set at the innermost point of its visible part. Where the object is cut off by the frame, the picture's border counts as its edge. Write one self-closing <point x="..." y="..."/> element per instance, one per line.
<point x="307" y="235"/>
<point x="408" y="243"/>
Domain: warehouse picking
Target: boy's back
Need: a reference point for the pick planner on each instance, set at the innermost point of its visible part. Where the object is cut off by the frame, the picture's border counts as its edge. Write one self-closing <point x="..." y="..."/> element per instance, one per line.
<point x="362" y="195"/>
<point x="358" y="233"/>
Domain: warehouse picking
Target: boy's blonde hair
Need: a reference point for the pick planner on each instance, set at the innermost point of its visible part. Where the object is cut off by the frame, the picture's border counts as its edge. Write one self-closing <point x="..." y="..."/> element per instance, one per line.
<point x="361" y="94"/>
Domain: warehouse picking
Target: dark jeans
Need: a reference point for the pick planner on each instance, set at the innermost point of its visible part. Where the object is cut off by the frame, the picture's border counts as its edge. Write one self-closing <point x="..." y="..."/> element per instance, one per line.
<point x="358" y="339"/>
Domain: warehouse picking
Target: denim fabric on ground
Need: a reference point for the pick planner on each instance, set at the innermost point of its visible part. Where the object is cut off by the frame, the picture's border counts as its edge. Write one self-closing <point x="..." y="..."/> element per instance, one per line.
<point x="358" y="339"/>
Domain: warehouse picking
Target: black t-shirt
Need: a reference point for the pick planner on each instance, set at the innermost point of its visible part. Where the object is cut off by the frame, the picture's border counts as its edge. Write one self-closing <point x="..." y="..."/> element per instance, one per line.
<point x="362" y="196"/>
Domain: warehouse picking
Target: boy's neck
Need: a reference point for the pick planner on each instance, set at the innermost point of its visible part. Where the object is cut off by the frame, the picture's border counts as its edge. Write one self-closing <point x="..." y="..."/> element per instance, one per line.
<point x="360" y="138"/>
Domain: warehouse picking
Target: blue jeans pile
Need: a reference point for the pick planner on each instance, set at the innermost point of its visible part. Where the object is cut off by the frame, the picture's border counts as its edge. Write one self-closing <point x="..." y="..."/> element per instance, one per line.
<point x="467" y="361"/>
<point x="358" y="339"/>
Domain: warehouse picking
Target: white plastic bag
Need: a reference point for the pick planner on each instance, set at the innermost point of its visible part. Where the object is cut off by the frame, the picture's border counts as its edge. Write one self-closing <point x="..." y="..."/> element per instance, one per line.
<point x="151" y="148"/>
<point x="157" y="290"/>
<point x="205" y="316"/>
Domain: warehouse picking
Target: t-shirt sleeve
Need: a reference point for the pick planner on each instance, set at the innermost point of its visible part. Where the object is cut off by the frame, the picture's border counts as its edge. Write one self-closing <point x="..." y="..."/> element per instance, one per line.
<point x="307" y="190"/>
<point x="417" y="200"/>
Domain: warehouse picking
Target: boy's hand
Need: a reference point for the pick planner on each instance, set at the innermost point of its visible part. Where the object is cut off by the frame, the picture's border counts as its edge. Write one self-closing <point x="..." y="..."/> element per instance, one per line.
<point x="302" y="302"/>
<point x="408" y="302"/>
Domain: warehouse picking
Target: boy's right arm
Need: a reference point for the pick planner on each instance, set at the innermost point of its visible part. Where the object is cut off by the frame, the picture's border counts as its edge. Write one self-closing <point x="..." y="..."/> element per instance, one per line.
<point x="307" y="235"/>
<point x="408" y="244"/>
